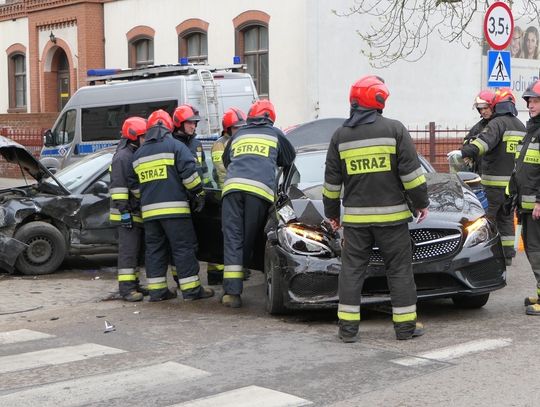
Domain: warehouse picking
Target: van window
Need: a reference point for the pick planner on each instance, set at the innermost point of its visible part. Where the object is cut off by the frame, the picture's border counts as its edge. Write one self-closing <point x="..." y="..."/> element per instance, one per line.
<point x="105" y="123"/>
<point x="64" y="132"/>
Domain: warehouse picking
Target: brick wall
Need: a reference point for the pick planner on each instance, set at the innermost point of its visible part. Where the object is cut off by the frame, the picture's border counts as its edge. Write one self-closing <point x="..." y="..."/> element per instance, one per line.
<point x="25" y="129"/>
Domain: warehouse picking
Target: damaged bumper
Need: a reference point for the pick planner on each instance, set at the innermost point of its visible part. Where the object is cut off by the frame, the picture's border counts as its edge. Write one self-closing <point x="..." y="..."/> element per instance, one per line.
<point x="9" y="251"/>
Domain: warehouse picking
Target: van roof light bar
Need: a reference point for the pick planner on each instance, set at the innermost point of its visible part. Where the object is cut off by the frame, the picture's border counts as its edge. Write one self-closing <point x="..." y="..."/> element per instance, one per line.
<point x="155" y="71"/>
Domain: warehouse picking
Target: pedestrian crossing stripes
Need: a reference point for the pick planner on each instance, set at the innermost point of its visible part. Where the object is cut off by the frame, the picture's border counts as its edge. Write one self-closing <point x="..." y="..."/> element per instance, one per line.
<point x="247" y="397"/>
<point x="21" y="335"/>
<point x="54" y="356"/>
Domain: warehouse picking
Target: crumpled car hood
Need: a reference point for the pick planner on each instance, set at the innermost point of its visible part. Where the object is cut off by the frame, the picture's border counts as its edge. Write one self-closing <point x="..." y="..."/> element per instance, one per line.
<point x="15" y="153"/>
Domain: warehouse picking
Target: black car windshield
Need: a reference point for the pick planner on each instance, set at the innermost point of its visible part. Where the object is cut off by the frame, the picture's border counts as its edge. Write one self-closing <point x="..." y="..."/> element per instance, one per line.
<point x="80" y="172"/>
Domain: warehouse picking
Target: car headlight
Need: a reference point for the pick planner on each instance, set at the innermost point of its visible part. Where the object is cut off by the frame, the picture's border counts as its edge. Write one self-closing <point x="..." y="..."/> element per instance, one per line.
<point x="479" y="231"/>
<point x="299" y="239"/>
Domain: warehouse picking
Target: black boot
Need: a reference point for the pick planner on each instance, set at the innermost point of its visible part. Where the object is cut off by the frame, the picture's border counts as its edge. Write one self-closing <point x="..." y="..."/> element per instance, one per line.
<point x="169" y="295"/>
<point x="348" y="333"/>
<point x="408" y="330"/>
<point x="215" y="277"/>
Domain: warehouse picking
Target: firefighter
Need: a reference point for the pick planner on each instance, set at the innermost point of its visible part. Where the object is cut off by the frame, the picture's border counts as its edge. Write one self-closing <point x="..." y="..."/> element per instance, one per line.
<point x="375" y="162"/>
<point x="497" y="145"/>
<point x="125" y="209"/>
<point x="525" y="185"/>
<point x="232" y="120"/>
<point x="166" y="170"/>
<point x="482" y="103"/>
<point x="251" y="158"/>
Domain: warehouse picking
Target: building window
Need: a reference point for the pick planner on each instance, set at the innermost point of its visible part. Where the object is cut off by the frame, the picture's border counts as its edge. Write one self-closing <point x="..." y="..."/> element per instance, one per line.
<point x="141" y="52"/>
<point x="17" y="81"/>
<point x="196" y="47"/>
<point x="255" y="55"/>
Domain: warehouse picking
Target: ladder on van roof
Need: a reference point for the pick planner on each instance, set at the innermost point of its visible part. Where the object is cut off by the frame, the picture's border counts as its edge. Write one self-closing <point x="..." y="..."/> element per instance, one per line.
<point x="210" y="100"/>
<point x="154" y="71"/>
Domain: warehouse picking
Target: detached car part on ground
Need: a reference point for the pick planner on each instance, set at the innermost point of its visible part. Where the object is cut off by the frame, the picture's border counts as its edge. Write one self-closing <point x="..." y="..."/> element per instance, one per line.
<point x="457" y="251"/>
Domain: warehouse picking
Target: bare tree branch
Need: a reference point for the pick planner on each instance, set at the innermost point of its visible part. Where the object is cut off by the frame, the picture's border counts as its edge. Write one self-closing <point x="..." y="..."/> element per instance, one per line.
<point x="401" y="29"/>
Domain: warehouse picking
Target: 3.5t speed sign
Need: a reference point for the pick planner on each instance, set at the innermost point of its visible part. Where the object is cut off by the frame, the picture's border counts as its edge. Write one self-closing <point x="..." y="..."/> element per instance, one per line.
<point x="498" y="25"/>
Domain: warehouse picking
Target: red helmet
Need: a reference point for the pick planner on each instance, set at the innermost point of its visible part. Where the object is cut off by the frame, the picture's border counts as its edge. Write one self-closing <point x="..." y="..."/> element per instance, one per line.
<point x="185" y="113"/>
<point x="133" y="128"/>
<point x="233" y="117"/>
<point x="483" y="99"/>
<point x="502" y="95"/>
<point x="533" y="91"/>
<point x="262" y="109"/>
<point x="370" y="92"/>
<point x="160" y="117"/>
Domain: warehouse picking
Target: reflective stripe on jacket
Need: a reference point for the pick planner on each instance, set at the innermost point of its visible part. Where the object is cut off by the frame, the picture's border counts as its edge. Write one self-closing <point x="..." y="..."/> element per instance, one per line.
<point x="376" y="163"/>
<point x="165" y="169"/>
<point x="528" y="172"/>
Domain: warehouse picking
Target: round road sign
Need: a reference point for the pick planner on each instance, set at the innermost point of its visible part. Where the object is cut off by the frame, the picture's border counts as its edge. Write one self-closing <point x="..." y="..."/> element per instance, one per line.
<point x="498" y="25"/>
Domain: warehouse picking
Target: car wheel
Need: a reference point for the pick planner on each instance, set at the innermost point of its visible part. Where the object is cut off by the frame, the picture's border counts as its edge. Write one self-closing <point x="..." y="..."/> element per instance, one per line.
<point x="46" y="248"/>
<point x="274" y="293"/>
<point x="470" y="301"/>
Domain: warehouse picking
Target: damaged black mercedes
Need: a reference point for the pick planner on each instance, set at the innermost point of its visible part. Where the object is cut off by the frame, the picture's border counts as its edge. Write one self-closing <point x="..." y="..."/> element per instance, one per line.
<point x="457" y="251"/>
<point x="53" y="216"/>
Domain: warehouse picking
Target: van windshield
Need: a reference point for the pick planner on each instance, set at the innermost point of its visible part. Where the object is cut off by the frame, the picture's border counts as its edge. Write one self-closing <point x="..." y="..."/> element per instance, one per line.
<point x="64" y="132"/>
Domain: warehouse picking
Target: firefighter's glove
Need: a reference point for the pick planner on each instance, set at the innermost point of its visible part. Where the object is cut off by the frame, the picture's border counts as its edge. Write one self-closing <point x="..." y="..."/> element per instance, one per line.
<point x="197" y="202"/>
<point x="125" y="220"/>
<point x="454" y="153"/>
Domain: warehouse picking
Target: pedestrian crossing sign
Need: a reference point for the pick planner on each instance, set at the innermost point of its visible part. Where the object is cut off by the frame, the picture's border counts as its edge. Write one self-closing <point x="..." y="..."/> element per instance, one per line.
<point x="499" y="69"/>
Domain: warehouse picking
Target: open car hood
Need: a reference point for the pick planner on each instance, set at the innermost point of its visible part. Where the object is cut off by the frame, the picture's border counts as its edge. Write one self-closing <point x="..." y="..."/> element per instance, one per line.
<point x="15" y="153"/>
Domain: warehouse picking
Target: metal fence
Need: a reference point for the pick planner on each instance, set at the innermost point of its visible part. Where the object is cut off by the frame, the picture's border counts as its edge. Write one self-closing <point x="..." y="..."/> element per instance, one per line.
<point x="431" y="142"/>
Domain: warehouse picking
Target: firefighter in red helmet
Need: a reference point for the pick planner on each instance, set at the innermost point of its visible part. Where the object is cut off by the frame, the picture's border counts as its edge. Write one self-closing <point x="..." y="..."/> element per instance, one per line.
<point x="251" y="158"/>
<point x="170" y="188"/>
<point x="497" y="145"/>
<point x="372" y="163"/>
<point x="125" y="209"/>
<point x="525" y="186"/>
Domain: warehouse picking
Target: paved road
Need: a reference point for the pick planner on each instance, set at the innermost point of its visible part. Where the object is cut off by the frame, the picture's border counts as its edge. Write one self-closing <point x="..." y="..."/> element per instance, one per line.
<point x="201" y="354"/>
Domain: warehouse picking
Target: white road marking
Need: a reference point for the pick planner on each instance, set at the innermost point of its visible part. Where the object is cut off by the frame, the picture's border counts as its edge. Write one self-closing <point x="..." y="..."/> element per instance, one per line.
<point x="54" y="356"/>
<point x="247" y="397"/>
<point x="453" y="352"/>
<point x="100" y="388"/>
<point x="22" y="335"/>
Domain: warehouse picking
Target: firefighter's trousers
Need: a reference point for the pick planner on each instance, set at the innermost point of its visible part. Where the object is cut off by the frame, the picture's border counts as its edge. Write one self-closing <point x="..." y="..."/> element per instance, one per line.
<point x="243" y="219"/>
<point x="505" y="223"/>
<point x="394" y="243"/>
<point x="531" y="240"/>
<point x="130" y="257"/>
<point x="166" y="238"/>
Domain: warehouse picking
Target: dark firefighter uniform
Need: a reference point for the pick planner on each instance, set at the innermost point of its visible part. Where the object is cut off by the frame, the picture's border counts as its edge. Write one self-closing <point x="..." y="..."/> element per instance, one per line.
<point x="251" y="158"/>
<point x="166" y="170"/>
<point x="126" y="200"/>
<point x="525" y="185"/>
<point x="219" y="172"/>
<point x="470" y="137"/>
<point x="373" y="158"/>
<point x="497" y="146"/>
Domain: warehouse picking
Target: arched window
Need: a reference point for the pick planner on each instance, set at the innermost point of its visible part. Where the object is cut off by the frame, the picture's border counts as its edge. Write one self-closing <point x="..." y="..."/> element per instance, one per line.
<point x="17" y="81"/>
<point x="141" y="52"/>
<point x="194" y="47"/>
<point x="255" y="55"/>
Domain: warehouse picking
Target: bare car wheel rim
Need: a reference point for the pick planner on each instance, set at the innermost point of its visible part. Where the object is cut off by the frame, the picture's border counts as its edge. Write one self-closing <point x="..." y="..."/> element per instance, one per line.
<point x="40" y="250"/>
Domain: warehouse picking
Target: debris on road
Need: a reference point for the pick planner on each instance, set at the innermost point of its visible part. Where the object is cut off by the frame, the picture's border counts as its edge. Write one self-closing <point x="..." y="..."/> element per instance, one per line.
<point x="109" y="327"/>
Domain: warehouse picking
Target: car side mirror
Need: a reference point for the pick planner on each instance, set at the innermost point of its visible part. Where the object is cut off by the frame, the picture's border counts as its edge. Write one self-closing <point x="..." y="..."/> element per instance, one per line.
<point x="100" y="188"/>
<point x="48" y="138"/>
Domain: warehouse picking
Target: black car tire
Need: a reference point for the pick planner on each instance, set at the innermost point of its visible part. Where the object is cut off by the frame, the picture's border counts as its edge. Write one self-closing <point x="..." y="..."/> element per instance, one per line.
<point x="46" y="251"/>
<point x="274" y="293"/>
<point x="470" y="301"/>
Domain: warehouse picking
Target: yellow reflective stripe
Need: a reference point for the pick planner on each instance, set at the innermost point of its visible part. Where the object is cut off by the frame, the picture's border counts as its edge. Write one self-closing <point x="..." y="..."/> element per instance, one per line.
<point x="378" y="218"/>
<point x="255" y="140"/>
<point x="165" y="211"/>
<point x="409" y="317"/>
<point x="214" y="267"/>
<point x="192" y="184"/>
<point x="512" y="138"/>
<point x="216" y="156"/>
<point x="482" y="146"/>
<point x="248" y="188"/>
<point x="206" y="180"/>
<point x="233" y="274"/>
<point x="532" y="156"/>
<point x="527" y="205"/>
<point x="189" y="286"/>
<point x="507" y="242"/>
<point x="114" y="217"/>
<point x="492" y="183"/>
<point x="157" y="286"/>
<point x="136" y="218"/>
<point x="331" y="194"/>
<point x="127" y="277"/>
<point x="415" y="182"/>
<point x="123" y="196"/>
<point x="150" y="164"/>
<point x="349" y="316"/>
<point x="354" y="152"/>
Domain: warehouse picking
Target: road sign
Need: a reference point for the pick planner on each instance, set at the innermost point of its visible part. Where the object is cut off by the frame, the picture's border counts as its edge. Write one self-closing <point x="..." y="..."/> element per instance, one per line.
<point x="499" y="70"/>
<point x="498" y="25"/>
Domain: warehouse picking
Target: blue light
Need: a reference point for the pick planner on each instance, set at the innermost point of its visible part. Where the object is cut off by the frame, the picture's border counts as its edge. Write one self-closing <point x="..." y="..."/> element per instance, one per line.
<point x="236" y="59"/>
<point x="183" y="61"/>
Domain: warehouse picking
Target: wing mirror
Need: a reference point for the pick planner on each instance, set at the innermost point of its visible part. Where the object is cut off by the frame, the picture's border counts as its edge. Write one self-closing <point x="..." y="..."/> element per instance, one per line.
<point x="100" y="188"/>
<point x="48" y="138"/>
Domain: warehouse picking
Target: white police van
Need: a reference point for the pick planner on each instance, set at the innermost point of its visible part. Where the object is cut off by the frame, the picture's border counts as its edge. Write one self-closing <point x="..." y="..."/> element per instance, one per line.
<point x="93" y="117"/>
